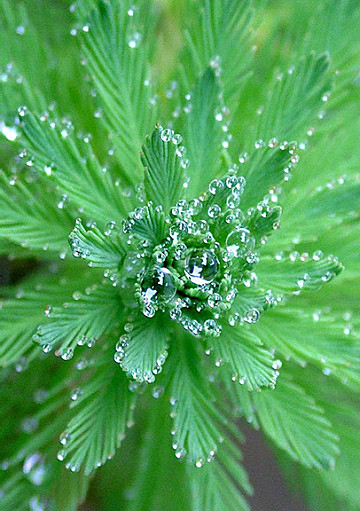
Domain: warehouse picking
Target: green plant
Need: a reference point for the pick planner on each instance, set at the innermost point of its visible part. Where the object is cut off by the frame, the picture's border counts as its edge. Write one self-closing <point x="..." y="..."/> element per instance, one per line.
<point x="172" y="266"/>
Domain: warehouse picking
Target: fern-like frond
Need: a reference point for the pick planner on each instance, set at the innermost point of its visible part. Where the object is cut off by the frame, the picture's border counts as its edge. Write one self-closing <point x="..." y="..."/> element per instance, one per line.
<point x="163" y="166"/>
<point x="246" y="359"/>
<point x="197" y="422"/>
<point x="73" y="167"/>
<point x="296" y="424"/>
<point x="295" y="99"/>
<point x="223" y="478"/>
<point x="83" y="320"/>
<point x="148" y="223"/>
<point x="24" y="309"/>
<point x="202" y="132"/>
<point x="142" y="350"/>
<point x="294" y="273"/>
<point x="27" y="217"/>
<point x="100" y="249"/>
<point x="319" y="336"/>
<point x="220" y="34"/>
<point x="116" y="48"/>
<point x="99" y="419"/>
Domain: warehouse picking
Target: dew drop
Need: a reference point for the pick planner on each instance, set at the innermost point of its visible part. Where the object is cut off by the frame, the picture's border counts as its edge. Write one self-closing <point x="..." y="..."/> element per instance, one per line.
<point x="159" y="286"/>
<point x="239" y="242"/>
<point x="201" y="267"/>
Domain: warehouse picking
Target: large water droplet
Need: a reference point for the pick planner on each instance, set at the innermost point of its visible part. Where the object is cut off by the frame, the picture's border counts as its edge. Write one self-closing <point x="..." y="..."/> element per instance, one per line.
<point x="201" y="267"/>
<point x="159" y="286"/>
<point x="239" y="242"/>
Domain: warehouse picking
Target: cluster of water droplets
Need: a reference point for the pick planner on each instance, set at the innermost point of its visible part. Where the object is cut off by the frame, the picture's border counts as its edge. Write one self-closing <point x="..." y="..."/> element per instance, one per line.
<point x="207" y="251"/>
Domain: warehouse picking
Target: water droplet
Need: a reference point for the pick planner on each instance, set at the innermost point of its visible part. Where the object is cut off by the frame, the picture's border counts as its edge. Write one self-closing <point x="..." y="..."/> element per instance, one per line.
<point x="176" y="139"/>
<point x="64" y="438"/>
<point x="212" y="328"/>
<point x="166" y="135"/>
<point x="134" y="40"/>
<point x="62" y="202"/>
<point x="75" y="394"/>
<point x="239" y="242"/>
<point x="214" y="300"/>
<point x="199" y="463"/>
<point x="61" y="455"/>
<point x="158" y="286"/>
<point x="158" y="391"/>
<point x="67" y="354"/>
<point x="277" y="364"/>
<point x="180" y="452"/>
<point x="215" y="185"/>
<point x="29" y="425"/>
<point x="214" y="211"/>
<point x="201" y="267"/>
<point x="10" y="133"/>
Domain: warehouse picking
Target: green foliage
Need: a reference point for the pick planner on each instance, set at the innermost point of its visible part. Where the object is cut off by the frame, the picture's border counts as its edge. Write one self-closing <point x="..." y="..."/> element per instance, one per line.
<point x="219" y="478"/>
<point x="144" y="350"/>
<point x="23" y="310"/>
<point x="163" y="170"/>
<point x="294" y="273"/>
<point x="250" y="363"/>
<point x="100" y="249"/>
<point x="217" y="301"/>
<point x="83" y="320"/>
<point x="220" y="33"/>
<point x="196" y="419"/>
<point x="296" y="99"/>
<point x="296" y="424"/>
<point x="28" y="219"/>
<point x="202" y="132"/>
<point x="102" y="411"/>
<point x="55" y="144"/>
<point x="108" y="46"/>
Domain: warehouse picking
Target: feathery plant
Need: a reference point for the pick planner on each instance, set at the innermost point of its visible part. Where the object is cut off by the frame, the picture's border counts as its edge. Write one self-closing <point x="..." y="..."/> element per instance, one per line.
<point x="184" y="176"/>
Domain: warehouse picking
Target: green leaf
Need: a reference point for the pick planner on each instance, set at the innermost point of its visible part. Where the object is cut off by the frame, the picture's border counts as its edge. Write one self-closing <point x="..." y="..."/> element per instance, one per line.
<point x="220" y="32"/>
<point x="28" y="218"/>
<point x="249" y="362"/>
<point x="222" y="479"/>
<point x="295" y="99"/>
<point x="265" y="169"/>
<point x="297" y="425"/>
<point x="101" y="414"/>
<point x="148" y="223"/>
<point x="196" y="419"/>
<point x="202" y="132"/>
<point x="81" y="321"/>
<point x="250" y="298"/>
<point x="143" y="349"/>
<point x="331" y="203"/>
<point x="339" y="487"/>
<point x="23" y="310"/>
<point x="46" y="409"/>
<point x="100" y="249"/>
<point x="263" y="220"/>
<point x="314" y="334"/>
<point x="16" y="492"/>
<point x="116" y="49"/>
<point x="164" y="174"/>
<point x="76" y="170"/>
<point x="155" y="484"/>
<point x="294" y="273"/>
